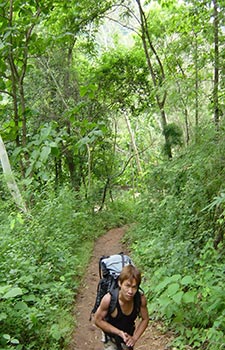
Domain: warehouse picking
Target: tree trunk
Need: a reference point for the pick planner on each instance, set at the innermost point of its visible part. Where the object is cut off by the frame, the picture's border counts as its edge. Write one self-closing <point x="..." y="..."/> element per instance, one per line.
<point x="196" y="83"/>
<point x="186" y="125"/>
<point x="18" y="72"/>
<point x="133" y="142"/>
<point x="158" y="79"/>
<point x="216" y="64"/>
<point x="89" y="167"/>
<point x="58" y="173"/>
<point x="10" y="181"/>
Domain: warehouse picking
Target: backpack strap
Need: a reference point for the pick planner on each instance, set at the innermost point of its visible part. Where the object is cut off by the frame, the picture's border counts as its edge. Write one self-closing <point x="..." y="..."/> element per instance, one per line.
<point x="100" y="265"/>
<point x="114" y="292"/>
<point x="99" y="268"/>
<point x="114" y="297"/>
<point x="123" y="261"/>
<point x="137" y="300"/>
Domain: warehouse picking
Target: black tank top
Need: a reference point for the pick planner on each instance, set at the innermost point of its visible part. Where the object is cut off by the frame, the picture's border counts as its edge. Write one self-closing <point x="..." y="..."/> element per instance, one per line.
<point x="124" y="322"/>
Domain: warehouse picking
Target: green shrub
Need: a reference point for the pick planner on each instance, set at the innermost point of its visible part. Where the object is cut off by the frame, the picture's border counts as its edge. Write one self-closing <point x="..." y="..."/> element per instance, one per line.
<point x="180" y="223"/>
<point x="43" y="258"/>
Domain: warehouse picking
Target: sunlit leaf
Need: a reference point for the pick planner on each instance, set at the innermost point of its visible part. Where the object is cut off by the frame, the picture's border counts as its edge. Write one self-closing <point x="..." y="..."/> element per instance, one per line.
<point x="189" y="297"/>
<point x="172" y="289"/>
<point x="12" y="293"/>
<point x="178" y="297"/>
<point x="187" y="280"/>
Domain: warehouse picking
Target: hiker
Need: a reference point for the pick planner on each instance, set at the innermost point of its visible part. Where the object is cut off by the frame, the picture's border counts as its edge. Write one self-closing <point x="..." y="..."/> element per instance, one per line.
<point x="119" y="326"/>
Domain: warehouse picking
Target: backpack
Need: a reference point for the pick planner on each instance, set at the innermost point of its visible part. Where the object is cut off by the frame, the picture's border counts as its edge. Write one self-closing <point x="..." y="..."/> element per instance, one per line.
<point x="109" y="271"/>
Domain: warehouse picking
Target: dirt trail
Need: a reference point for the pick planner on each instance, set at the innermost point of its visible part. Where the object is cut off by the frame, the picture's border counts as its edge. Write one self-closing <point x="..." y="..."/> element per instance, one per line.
<point x="86" y="335"/>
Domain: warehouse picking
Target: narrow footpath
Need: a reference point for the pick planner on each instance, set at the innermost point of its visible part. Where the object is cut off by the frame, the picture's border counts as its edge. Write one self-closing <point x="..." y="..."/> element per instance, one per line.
<point x="86" y="335"/>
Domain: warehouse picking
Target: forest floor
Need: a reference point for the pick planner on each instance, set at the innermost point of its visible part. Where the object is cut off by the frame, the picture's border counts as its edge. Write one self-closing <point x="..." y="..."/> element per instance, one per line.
<point x="86" y="335"/>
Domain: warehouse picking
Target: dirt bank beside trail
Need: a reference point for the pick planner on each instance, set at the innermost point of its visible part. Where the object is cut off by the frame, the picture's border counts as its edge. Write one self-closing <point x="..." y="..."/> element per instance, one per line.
<point x="86" y="335"/>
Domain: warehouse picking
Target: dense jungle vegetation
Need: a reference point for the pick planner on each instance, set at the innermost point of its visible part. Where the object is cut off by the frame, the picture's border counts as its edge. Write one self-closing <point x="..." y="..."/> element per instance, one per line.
<point x="112" y="113"/>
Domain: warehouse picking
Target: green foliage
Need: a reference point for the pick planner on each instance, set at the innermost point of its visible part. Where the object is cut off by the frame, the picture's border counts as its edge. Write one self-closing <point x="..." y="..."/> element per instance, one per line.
<point x="43" y="258"/>
<point x="173" y="136"/>
<point x="181" y="222"/>
<point x="121" y="211"/>
<point x="70" y="129"/>
<point x="42" y="148"/>
<point x="123" y="74"/>
<point x="40" y="262"/>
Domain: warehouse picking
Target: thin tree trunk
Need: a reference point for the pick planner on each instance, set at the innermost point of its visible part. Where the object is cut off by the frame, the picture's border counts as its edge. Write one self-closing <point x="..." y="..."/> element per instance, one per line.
<point x="160" y="78"/>
<point x="133" y="142"/>
<point x="58" y="173"/>
<point x="185" y="103"/>
<point x="89" y="167"/>
<point x="10" y="181"/>
<point x="196" y="82"/>
<point x="186" y="125"/>
<point x="107" y="184"/>
<point x="216" y="64"/>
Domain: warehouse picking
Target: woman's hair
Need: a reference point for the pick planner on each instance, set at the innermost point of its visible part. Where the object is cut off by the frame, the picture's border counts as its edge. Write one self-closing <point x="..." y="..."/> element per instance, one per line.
<point x="130" y="272"/>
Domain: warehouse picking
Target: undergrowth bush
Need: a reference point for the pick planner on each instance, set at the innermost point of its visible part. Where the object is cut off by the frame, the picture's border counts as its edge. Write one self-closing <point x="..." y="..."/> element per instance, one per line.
<point x="43" y="258"/>
<point x="178" y="242"/>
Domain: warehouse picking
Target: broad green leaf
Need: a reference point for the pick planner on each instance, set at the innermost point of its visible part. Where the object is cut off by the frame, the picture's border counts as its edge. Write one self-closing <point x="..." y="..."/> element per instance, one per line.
<point x="53" y="144"/>
<point x="44" y="176"/>
<point x="178" y="297"/>
<point x="166" y="281"/>
<point x="172" y="289"/>
<point x="84" y="141"/>
<point x="46" y="150"/>
<point x="179" y="317"/>
<point x="28" y="171"/>
<point x="45" y="131"/>
<point x="6" y="336"/>
<point x="189" y="297"/>
<point x="30" y="297"/>
<point x="187" y="280"/>
<point x="175" y="278"/>
<point x="55" y="332"/>
<point x="12" y="293"/>
<point x="83" y="90"/>
<point x="35" y="154"/>
<point x="14" y="341"/>
<point x="3" y="316"/>
<point x="161" y="286"/>
<point x="164" y="300"/>
<point x="4" y="289"/>
<point x="55" y="151"/>
<point x="21" y="305"/>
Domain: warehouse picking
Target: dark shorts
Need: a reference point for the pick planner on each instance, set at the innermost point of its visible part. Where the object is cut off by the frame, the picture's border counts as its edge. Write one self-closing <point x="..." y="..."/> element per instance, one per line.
<point x="112" y="346"/>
